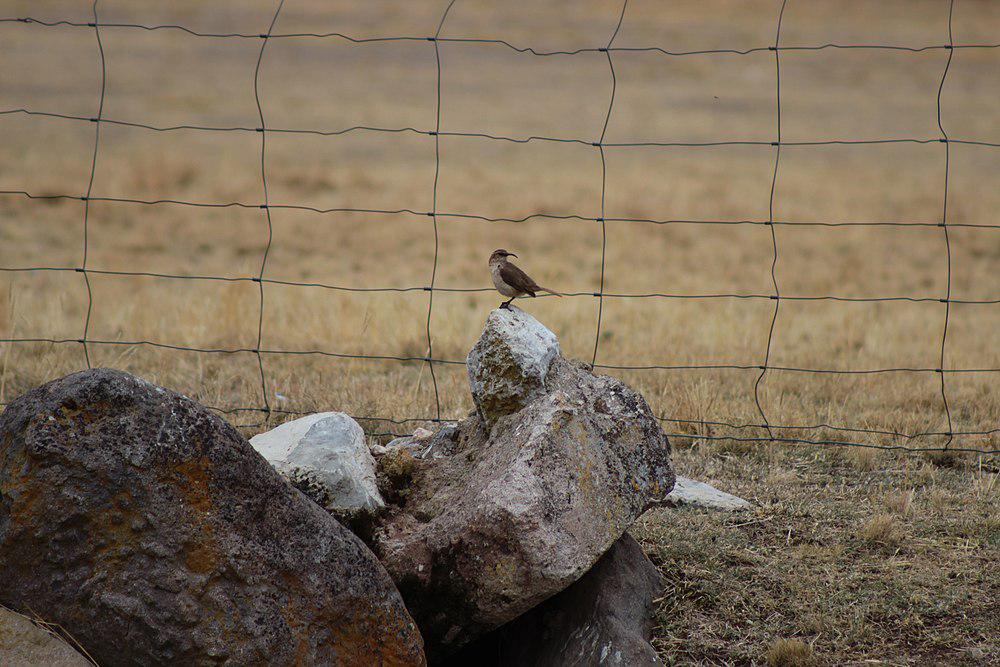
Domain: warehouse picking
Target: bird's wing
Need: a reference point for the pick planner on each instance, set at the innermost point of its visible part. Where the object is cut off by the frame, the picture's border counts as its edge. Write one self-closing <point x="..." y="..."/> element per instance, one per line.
<point x="517" y="278"/>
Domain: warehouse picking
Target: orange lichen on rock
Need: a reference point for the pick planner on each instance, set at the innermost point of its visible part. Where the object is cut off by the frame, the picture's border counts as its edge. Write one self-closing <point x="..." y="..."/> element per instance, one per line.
<point x="151" y="530"/>
<point x="193" y="478"/>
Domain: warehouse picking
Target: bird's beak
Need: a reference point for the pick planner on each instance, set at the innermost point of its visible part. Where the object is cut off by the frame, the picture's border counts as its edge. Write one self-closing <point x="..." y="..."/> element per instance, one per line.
<point x="510" y="254"/>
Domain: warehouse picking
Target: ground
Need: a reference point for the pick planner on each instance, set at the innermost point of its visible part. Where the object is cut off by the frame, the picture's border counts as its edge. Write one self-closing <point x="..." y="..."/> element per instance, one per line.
<point x="659" y="240"/>
<point x="866" y="559"/>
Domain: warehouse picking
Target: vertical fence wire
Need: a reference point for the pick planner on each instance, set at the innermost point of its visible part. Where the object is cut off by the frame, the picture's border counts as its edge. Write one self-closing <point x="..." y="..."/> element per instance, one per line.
<point x="604" y="180"/>
<point x="434" y="211"/>
<point x="90" y="188"/>
<point x="770" y="222"/>
<point x="262" y="130"/>
<point x="944" y="227"/>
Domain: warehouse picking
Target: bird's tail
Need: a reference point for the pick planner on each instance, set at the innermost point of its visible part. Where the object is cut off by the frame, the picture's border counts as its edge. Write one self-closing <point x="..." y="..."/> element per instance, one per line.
<point x="550" y="291"/>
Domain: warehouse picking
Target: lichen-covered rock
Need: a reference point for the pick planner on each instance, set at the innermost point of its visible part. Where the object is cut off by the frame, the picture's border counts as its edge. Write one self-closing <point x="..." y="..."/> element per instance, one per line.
<point x="395" y="474"/>
<point x="325" y="456"/>
<point x="605" y="618"/>
<point x="508" y="364"/>
<point x="517" y="513"/>
<point x="153" y="533"/>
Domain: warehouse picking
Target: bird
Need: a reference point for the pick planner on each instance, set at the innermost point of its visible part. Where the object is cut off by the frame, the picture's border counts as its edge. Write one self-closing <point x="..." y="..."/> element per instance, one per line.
<point x="510" y="280"/>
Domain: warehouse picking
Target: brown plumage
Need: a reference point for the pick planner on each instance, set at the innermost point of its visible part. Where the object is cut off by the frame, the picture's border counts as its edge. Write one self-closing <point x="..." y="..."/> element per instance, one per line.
<point x="510" y="280"/>
<point x="518" y="279"/>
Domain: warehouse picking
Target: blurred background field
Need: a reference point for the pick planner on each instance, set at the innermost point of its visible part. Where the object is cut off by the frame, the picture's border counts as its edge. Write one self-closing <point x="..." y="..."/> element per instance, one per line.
<point x="168" y="78"/>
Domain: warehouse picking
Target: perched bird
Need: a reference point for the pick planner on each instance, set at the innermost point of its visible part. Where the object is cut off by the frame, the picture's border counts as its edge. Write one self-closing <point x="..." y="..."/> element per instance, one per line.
<point x="512" y="281"/>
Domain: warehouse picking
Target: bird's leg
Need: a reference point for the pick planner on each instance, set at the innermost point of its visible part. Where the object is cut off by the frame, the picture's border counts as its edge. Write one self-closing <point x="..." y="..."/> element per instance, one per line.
<point x="506" y="304"/>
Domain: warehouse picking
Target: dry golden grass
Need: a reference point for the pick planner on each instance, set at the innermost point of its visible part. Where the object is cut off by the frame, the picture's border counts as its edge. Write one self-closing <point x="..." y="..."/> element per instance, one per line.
<point x="790" y="653"/>
<point x="168" y="78"/>
<point x="900" y="502"/>
<point x="821" y="561"/>
<point x="881" y="530"/>
<point x="862" y="458"/>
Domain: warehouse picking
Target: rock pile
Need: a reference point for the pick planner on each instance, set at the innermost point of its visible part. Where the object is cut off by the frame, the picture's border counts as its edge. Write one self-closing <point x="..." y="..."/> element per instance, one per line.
<point x="525" y="495"/>
<point x="153" y="532"/>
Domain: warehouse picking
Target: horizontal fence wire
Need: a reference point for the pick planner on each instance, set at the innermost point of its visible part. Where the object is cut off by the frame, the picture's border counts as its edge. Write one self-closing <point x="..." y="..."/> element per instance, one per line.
<point x="776" y="432"/>
<point x="495" y="137"/>
<point x="486" y="290"/>
<point x="496" y="42"/>
<point x="482" y="218"/>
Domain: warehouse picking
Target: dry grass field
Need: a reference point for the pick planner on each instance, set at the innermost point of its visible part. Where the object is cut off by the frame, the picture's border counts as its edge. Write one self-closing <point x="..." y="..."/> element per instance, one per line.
<point x="860" y="555"/>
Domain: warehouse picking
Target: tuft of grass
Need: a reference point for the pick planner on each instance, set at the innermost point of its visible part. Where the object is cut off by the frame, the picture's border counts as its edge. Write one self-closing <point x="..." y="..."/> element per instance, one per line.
<point x="863" y="459"/>
<point x="939" y="498"/>
<point x="946" y="458"/>
<point x="817" y="623"/>
<point x="926" y="475"/>
<point x="984" y="486"/>
<point x="735" y="448"/>
<point x="900" y="502"/>
<point x="882" y="530"/>
<point x="781" y="476"/>
<point x="791" y="653"/>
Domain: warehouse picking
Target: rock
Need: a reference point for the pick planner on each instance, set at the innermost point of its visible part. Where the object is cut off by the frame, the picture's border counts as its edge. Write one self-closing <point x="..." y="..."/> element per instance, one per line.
<point x="325" y="456"/>
<point x="516" y="514"/>
<point x="24" y="643"/>
<point x="427" y="444"/>
<point x="691" y="492"/>
<point x="605" y="618"/>
<point x="151" y="530"/>
<point x="395" y="475"/>
<point x="422" y="434"/>
<point x="508" y="364"/>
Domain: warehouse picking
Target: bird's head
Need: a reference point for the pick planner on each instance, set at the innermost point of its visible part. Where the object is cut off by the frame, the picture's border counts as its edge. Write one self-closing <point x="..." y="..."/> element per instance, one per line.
<point x="500" y="255"/>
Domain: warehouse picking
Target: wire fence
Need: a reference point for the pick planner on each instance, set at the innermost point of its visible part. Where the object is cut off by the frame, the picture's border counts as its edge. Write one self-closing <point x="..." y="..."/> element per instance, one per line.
<point x="894" y="439"/>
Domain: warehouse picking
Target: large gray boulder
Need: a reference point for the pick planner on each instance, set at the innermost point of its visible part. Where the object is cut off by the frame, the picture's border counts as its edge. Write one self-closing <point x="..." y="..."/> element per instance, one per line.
<point x="325" y="456"/>
<point x="519" y="512"/>
<point x="152" y="532"/>
<point x="508" y="364"/>
<point x="605" y="618"/>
